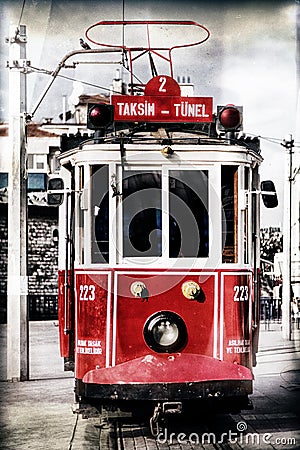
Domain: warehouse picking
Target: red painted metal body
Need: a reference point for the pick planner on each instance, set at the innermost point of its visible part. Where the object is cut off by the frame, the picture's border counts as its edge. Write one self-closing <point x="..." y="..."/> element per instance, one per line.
<point x="178" y="368"/>
<point x="109" y="321"/>
<point x="64" y="308"/>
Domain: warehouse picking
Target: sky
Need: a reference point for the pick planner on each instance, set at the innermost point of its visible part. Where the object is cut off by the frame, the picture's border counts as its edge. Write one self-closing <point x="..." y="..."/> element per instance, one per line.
<point x="250" y="59"/>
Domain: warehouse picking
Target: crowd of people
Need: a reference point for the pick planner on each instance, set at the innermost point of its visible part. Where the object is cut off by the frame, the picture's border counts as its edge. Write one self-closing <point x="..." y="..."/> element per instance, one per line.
<point x="271" y="243"/>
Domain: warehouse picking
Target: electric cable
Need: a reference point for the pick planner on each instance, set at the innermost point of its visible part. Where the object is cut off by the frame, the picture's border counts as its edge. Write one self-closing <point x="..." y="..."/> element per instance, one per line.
<point x="272" y="140"/>
<point x="21" y="15"/>
<point x="49" y="72"/>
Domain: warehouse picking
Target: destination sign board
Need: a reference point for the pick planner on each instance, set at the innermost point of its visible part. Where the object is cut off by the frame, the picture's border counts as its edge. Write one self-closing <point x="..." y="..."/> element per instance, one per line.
<point x="161" y="102"/>
<point x="161" y="108"/>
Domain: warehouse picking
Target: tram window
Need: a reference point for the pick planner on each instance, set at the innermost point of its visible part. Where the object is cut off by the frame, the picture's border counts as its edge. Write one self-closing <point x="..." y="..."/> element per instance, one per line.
<point x="188" y="214"/>
<point x="246" y="227"/>
<point x="100" y="214"/>
<point x="229" y="181"/>
<point x="142" y="217"/>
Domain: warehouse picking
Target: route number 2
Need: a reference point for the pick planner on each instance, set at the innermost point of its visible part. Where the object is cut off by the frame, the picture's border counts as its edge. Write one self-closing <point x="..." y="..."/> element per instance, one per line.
<point x="87" y="292"/>
<point x="162" y="81"/>
<point x="241" y="293"/>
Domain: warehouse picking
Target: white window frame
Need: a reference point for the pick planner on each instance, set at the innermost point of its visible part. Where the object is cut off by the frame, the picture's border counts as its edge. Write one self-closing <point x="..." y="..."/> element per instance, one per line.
<point x="214" y="217"/>
<point x="214" y="258"/>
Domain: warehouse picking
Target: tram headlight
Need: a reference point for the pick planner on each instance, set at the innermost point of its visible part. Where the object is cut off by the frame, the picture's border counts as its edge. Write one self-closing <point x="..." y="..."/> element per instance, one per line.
<point x="165" y="332"/>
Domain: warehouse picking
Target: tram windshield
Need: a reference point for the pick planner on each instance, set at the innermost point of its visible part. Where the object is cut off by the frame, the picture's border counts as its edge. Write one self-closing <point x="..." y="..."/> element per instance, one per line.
<point x="163" y="214"/>
<point x="188" y="213"/>
<point x="185" y="211"/>
<point x="142" y="213"/>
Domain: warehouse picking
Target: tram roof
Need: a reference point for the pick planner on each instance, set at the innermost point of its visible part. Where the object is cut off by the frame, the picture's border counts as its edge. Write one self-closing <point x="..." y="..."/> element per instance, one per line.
<point x="237" y="149"/>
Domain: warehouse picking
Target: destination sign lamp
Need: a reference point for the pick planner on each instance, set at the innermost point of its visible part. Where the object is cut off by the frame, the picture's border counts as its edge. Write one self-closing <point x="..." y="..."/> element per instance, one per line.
<point x="230" y="118"/>
<point x="99" y="115"/>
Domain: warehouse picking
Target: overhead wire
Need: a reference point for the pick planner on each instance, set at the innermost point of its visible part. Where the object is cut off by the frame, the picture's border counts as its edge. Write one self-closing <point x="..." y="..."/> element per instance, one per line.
<point x="272" y="140"/>
<point x="123" y="31"/>
<point x="49" y="72"/>
<point x="21" y="15"/>
<point x="125" y="62"/>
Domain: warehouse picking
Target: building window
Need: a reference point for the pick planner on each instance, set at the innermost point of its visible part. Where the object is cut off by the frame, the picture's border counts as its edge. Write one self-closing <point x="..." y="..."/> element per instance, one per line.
<point x="36" y="182"/>
<point x="3" y="180"/>
<point x="30" y="162"/>
<point x="36" y="162"/>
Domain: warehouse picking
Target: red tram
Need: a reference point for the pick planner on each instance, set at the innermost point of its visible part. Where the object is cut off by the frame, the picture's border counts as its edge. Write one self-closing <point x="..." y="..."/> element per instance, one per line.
<point x="159" y="253"/>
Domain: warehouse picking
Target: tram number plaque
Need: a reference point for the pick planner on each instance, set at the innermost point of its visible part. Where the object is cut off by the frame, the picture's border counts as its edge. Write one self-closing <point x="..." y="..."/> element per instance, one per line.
<point x="87" y="292"/>
<point x="241" y="293"/>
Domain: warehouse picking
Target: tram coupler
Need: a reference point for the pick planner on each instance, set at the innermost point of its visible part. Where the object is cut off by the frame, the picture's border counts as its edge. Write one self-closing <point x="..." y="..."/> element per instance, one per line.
<point x="172" y="408"/>
<point x="161" y="411"/>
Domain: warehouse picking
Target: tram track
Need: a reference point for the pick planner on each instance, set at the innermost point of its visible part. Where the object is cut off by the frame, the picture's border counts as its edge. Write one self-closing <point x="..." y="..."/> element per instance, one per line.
<point x="225" y="432"/>
<point x="125" y="435"/>
<point x="248" y="430"/>
<point x="120" y="435"/>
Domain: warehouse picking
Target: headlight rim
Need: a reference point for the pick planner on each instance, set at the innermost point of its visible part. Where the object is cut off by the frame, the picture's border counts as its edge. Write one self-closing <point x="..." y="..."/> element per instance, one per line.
<point x="172" y="317"/>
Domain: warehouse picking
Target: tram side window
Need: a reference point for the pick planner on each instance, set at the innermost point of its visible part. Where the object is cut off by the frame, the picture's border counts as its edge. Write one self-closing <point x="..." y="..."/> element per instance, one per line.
<point x="188" y="214"/>
<point x="142" y="216"/>
<point x="81" y="218"/>
<point x="100" y="214"/>
<point x="229" y="182"/>
<point x="246" y="227"/>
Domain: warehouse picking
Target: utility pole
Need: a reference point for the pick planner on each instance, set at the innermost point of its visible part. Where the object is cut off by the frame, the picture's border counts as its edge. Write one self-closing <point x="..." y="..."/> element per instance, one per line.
<point x="17" y="314"/>
<point x="288" y="143"/>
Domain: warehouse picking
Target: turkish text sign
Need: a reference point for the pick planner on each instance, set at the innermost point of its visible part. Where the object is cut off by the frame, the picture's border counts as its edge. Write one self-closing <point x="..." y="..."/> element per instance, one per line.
<point x="161" y="108"/>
